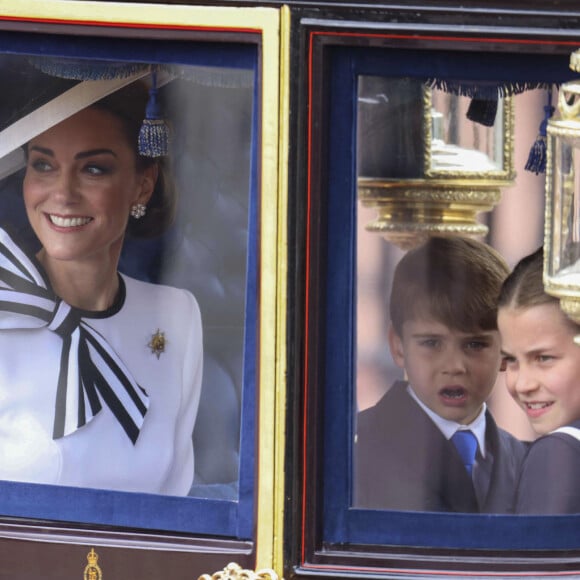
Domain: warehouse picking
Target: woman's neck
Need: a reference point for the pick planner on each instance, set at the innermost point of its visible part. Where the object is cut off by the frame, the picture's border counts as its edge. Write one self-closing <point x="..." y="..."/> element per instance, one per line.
<point x="88" y="285"/>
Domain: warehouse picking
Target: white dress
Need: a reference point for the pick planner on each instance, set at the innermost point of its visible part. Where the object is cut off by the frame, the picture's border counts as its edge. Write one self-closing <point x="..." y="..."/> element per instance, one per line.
<point x="100" y="454"/>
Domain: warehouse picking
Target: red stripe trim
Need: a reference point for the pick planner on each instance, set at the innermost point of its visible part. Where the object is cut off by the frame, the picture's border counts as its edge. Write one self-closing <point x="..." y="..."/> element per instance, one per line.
<point x="481" y="39"/>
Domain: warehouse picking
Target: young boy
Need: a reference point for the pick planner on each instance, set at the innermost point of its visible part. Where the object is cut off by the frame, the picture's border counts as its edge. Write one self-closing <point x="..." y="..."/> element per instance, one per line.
<point x="444" y="335"/>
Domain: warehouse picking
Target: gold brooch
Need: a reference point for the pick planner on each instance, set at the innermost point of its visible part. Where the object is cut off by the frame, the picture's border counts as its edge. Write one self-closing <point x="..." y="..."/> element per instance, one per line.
<point x="157" y="343"/>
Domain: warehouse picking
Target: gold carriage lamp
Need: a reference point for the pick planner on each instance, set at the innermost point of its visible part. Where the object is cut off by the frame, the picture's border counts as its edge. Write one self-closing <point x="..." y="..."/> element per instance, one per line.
<point x="562" y="225"/>
<point x="423" y="165"/>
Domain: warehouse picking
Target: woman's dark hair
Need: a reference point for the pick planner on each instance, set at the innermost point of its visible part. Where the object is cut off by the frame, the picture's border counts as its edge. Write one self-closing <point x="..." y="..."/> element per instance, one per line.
<point x="129" y="105"/>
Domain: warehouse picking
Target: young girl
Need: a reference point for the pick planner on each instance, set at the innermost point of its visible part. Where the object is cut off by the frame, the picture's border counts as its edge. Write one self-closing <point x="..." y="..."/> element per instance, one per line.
<point x="542" y="375"/>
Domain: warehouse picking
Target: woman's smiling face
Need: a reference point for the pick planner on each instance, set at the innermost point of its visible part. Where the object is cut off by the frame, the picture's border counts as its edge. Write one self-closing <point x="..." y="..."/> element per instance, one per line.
<point x="542" y="364"/>
<point x="80" y="183"/>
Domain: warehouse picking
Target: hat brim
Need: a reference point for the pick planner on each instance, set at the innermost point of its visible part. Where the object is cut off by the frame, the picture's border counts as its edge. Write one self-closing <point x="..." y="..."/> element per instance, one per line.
<point x="25" y="117"/>
<point x="40" y="93"/>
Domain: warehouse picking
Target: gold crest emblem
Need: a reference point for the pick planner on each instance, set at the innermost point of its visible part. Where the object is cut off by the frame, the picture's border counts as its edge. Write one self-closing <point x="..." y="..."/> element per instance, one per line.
<point x="92" y="570"/>
<point x="157" y="343"/>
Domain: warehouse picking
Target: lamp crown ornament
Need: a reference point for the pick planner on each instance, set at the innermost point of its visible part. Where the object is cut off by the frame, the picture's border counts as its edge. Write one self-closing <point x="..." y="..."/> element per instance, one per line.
<point x="562" y="213"/>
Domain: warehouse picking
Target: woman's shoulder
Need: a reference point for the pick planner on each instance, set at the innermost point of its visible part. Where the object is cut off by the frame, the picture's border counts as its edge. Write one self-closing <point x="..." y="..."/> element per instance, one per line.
<point x="135" y="286"/>
<point x="168" y="298"/>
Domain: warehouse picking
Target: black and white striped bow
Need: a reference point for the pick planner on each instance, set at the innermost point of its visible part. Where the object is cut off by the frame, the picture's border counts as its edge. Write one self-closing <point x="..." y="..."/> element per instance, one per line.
<point x="90" y="371"/>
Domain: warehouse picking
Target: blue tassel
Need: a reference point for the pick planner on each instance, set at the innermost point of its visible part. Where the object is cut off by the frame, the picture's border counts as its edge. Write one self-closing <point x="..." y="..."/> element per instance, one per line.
<point x="538" y="153"/>
<point x="154" y="133"/>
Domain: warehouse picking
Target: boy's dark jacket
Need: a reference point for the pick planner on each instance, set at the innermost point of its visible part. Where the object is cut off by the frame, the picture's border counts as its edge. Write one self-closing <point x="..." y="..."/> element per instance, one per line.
<point x="404" y="462"/>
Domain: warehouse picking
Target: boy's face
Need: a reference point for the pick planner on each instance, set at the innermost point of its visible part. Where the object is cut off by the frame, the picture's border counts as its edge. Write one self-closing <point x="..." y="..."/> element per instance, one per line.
<point x="451" y="372"/>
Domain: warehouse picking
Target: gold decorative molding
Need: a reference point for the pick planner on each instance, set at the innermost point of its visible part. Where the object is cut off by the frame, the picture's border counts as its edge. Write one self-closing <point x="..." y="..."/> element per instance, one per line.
<point x="234" y="571"/>
<point x="409" y="212"/>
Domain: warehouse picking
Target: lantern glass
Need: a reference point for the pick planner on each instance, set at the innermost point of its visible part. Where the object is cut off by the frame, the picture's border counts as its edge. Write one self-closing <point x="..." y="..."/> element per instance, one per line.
<point x="563" y="264"/>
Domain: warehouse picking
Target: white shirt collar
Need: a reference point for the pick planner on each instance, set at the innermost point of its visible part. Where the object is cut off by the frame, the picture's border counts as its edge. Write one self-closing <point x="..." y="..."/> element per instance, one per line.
<point x="449" y="428"/>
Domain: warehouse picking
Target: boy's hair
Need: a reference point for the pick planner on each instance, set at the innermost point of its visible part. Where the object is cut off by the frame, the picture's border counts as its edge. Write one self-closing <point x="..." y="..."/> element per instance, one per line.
<point x="525" y="285"/>
<point x="454" y="280"/>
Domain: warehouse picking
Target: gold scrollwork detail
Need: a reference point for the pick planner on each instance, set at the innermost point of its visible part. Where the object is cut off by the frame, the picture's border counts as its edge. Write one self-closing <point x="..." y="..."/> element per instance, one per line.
<point x="434" y="229"/>
<point x="509" y="139"/>
<point x="409" y="212"/>
<point x="454" y="196"/>
<point x="234" y="571"/>
<point x="428" y="192"/>
<point x="408" y="235"/>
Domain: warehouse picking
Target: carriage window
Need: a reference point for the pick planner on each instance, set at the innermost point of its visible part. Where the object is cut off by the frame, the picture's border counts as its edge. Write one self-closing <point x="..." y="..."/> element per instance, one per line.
<point x="129" y="179"/>
<point x="437" y="158"/>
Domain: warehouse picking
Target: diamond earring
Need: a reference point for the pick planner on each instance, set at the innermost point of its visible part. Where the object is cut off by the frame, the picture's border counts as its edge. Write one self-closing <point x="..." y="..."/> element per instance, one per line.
<point x="138" y="210"/>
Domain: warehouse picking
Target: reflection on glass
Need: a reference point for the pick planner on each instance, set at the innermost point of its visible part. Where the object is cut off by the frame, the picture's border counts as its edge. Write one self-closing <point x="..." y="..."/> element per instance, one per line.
<point x="414" y="141"/>
<point x="459" y="144"/>
<point x="407" y="130"/>
<point x="390" y="130"/>
<point x="204" y="251"/>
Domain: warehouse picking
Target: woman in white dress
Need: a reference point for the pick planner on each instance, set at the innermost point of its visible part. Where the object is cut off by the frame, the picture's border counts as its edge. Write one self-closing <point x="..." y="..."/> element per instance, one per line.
<point x="100" y="374"/>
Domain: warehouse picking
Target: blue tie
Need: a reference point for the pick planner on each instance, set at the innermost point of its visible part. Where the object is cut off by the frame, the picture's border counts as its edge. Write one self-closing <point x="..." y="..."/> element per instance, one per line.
<point x="466" y="444"/>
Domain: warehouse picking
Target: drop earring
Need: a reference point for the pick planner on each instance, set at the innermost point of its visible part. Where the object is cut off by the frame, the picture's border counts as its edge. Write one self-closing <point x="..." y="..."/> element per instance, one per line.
<point x="138" y="210"/>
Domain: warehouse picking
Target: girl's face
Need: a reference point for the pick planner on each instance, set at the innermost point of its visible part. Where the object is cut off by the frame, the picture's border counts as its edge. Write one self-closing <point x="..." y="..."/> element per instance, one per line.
<point x="542" y="364"/>
<point x="80" y="183"/>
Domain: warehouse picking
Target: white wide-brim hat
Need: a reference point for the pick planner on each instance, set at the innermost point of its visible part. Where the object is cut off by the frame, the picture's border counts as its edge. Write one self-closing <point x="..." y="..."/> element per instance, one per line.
<point x="38" y="100"/>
